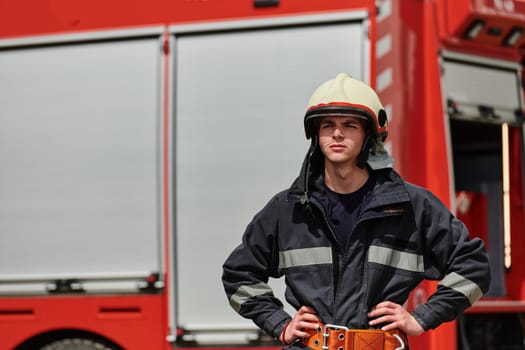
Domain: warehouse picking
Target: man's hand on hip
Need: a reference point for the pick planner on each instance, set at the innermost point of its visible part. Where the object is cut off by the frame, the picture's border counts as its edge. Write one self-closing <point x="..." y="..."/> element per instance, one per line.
<point x="304" y="323"/>
<point x="392" y="316"/>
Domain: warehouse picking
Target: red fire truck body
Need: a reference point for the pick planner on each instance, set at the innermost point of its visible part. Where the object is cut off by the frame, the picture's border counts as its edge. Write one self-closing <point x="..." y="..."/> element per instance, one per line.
<point x="440" y="68"/>
<point x="130" y="173"/>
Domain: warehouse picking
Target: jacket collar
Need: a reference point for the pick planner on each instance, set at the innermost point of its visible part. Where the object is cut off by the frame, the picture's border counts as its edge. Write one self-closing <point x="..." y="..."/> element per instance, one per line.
<point x="389" y="188"/>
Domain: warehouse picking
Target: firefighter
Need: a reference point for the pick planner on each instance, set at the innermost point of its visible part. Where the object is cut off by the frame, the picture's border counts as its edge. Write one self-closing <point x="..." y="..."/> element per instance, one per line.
<point x="352" y="239"/>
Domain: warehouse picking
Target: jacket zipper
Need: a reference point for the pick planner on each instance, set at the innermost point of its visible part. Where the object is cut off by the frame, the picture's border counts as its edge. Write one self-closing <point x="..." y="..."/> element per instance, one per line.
<point x="336" y="262"/>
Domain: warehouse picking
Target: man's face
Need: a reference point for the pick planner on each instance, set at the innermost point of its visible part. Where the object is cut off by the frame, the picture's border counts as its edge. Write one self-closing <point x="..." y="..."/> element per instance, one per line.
<point x="341" y="138"/>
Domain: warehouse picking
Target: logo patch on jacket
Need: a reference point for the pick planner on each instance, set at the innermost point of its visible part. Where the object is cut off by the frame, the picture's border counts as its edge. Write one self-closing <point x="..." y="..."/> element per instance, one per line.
<point x="394" y="210"/>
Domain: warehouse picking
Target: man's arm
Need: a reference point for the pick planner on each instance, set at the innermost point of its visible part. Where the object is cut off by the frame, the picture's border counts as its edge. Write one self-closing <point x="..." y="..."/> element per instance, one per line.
<point x="247" y="270"/>
<point x="458" y="262"/>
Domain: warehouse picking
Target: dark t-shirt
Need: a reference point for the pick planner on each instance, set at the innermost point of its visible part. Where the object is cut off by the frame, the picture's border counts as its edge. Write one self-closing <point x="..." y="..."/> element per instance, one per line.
<point x="345" y="209"/>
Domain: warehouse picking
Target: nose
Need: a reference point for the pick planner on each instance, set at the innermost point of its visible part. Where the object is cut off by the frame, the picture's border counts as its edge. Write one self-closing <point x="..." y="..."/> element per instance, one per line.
<point x="338" y="133"/>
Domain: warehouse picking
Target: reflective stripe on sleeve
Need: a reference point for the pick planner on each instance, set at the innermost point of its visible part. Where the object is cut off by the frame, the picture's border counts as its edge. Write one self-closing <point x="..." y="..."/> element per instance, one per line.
<point x="305" y="256"/>
<point x="462" y="285"/>
<point x="396" y="258"/>
<point x="245" y="293"/>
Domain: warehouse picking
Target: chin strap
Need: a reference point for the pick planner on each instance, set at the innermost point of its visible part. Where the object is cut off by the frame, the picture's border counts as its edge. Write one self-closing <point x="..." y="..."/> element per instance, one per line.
<point x="365" y="151"/>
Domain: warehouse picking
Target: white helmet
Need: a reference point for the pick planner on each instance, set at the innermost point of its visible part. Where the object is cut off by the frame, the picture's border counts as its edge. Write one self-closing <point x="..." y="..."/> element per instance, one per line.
<point x="345" y="95"/>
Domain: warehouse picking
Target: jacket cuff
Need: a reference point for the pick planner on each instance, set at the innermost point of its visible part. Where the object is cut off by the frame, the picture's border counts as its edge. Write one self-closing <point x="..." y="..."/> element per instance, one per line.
<point x="274" y="325"/>
<point x="424" y="316"/>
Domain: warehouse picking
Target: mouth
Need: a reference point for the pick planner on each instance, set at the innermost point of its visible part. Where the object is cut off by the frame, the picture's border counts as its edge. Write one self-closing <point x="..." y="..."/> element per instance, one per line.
<point x="337" y="146"/>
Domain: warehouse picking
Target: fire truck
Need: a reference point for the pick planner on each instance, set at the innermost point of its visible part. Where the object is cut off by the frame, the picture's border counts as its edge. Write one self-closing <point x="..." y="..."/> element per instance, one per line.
<point x="137" y="139"/>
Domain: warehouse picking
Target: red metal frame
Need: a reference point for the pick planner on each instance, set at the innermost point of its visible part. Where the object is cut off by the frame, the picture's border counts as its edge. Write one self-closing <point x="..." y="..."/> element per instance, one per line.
<point x="167" y="196"/>
<point x="130" y="321"/>
<point x="31" y="17"/>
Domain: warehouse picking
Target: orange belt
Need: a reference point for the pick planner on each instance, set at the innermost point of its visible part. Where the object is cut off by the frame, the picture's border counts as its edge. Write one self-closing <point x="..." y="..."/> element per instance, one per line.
<point x="333" y="337"/>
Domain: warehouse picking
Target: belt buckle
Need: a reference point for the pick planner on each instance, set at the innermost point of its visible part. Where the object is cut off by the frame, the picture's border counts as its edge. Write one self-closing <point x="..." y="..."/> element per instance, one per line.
<point x="326" y="335"/>
<point x="401" y="342"/>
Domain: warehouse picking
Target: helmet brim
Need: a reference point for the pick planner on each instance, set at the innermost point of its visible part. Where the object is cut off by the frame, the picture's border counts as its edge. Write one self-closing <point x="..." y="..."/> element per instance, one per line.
<point x="335" y="111"/>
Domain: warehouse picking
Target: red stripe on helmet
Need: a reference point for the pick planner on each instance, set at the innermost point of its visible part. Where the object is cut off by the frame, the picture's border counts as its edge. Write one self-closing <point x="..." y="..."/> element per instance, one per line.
<point x="345" y="104"/>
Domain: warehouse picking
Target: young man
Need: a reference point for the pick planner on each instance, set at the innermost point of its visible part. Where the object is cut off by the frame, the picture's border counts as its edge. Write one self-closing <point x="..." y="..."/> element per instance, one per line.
<point x="352" y="239"/>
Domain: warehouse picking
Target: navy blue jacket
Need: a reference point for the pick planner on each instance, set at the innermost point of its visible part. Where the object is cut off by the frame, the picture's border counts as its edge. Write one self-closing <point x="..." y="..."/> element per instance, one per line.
<point x="403" y="236"/>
